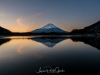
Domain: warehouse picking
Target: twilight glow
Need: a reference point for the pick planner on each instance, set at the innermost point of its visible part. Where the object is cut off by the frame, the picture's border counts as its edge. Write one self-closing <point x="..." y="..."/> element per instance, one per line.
<point x="27" y="15"/>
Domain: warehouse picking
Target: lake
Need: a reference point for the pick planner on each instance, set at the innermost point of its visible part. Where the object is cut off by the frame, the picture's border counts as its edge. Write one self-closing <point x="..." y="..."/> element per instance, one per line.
<point x="49" y="55"/>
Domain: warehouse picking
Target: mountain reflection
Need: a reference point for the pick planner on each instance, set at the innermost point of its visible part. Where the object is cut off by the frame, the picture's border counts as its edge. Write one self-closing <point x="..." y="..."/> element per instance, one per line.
<point x="2" y="41"/>
<point x="49" y="41"/>
<point x="52" y="41"/>
<point x="93" y="41"/>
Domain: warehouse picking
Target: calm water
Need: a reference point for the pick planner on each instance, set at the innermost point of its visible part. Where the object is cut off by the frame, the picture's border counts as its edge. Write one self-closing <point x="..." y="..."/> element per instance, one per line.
<point x="25" y="56"/>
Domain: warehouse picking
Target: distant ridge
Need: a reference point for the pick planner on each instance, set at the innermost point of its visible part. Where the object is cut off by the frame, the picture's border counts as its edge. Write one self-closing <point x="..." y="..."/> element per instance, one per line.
<point x="92" y="29"/>
<point x="4" y="31"/>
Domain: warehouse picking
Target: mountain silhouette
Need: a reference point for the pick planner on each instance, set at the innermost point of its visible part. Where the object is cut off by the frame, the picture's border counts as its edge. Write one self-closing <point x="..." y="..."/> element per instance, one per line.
<point x="93" y="41"/>
<point x="51" y="29"/>
<point x="91" y="29"/>
<point x="2" y="41"/>
<point x="4" y="31"/>
<point x="49" y="41"/>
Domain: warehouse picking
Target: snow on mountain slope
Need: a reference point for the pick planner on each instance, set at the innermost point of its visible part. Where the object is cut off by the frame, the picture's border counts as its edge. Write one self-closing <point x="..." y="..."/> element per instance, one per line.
<point x="49" y="28"/>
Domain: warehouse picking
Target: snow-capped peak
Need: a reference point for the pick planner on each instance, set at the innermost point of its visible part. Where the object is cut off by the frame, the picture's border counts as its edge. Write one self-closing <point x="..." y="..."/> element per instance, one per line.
<point x="48" y="26"/>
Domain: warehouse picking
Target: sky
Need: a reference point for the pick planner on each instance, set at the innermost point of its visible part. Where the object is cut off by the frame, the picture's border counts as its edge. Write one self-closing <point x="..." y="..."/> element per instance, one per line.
<point x="28" y="15"/>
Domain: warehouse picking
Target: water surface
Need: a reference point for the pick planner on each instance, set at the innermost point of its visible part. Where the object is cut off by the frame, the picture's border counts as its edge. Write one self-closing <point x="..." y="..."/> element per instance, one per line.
<point x="25" y="56"/>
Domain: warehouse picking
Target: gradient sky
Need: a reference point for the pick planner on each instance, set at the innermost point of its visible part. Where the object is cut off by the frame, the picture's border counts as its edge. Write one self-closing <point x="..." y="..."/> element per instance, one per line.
<point x="27" y="15"/>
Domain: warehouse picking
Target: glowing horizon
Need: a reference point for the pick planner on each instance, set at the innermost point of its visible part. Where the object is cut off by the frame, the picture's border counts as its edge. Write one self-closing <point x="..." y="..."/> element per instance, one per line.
<point x="28" y="15"/>
<point x="28" y="29"/>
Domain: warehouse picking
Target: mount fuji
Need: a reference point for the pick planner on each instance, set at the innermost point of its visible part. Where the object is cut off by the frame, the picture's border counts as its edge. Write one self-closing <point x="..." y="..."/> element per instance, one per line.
<point x="49" y="28"/>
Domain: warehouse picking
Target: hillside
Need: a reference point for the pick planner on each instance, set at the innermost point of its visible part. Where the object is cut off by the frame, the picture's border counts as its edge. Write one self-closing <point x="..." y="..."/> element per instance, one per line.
<point x="91" y="29"/>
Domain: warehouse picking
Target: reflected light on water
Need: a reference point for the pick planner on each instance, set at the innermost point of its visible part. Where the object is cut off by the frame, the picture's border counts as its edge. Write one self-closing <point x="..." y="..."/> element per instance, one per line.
<point x="35" y="52"/>
<point x="19" y="50"/>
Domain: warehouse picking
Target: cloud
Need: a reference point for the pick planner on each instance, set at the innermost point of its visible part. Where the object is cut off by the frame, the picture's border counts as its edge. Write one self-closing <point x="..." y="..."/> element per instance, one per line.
<point x="27" y="19"/>
<point x="34" y="16"/>
<point x="19" y="21"/>
<point x="38" y="14"/>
